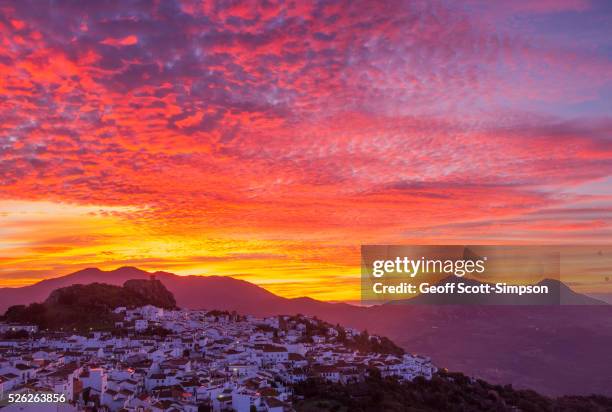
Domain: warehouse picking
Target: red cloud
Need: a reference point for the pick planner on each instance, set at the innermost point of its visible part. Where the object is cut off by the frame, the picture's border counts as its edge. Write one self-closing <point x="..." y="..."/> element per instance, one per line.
<point x="125" y="41"/>
<point x="308" y="122"/>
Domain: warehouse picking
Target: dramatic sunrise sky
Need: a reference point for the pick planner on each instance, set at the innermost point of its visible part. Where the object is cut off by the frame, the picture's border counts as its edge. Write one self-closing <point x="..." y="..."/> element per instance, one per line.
<point x="269" y="141"/>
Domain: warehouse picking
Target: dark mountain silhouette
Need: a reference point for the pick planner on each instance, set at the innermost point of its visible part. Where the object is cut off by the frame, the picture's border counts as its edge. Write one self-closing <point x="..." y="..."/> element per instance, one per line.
<point x="556" y="350"/>
<point x="568" y="296"/>
<point x="83" y="306"/>
<point x="190" y="291"/>
<point x="194" y="292"/>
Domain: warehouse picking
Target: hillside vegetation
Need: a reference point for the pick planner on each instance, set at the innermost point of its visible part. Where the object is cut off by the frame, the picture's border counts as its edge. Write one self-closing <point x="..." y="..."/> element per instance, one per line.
<point x="90" y="306"/>
<point x="445" y="392"/>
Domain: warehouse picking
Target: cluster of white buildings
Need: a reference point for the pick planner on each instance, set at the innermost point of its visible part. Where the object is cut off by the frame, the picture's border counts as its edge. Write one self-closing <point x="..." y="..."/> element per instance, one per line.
<point x="212" y="360"/>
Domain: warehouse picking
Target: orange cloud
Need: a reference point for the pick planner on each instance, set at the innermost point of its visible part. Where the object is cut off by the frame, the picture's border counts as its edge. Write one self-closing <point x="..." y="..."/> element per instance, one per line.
<point x="268" y="142"/>
<point x="124" y="41"/>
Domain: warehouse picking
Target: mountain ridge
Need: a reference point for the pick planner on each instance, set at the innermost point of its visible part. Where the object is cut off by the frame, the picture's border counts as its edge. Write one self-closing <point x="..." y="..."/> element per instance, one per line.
<point x="556" y="350"/>
<point x="38" y="291"/>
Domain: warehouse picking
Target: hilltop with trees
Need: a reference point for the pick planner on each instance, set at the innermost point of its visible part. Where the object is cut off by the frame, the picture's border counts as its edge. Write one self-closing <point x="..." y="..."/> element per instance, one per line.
<point x="90" y="306"/>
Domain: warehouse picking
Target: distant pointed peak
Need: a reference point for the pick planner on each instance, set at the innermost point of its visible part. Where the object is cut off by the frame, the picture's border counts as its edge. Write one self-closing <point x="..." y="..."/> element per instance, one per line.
<point x="550" y="280"/>
<point x="553" y="282"/>
<point x="88" y="270"/>
<point x="129" y="269"/>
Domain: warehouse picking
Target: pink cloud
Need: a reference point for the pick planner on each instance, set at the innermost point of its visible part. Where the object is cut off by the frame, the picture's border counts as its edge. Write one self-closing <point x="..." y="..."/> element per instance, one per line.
<point x="289" y="119"/>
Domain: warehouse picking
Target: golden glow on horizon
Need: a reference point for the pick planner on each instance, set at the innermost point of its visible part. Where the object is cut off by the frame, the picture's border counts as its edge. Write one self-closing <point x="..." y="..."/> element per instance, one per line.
<point x="272" y="156"/>
<point x="46" y="239"/>
<point x="52" y="239"/>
